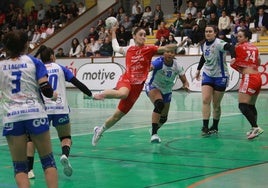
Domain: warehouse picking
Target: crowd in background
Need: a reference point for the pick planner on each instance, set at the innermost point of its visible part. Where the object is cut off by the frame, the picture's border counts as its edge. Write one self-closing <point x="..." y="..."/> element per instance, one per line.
<point x="228" y="15"/>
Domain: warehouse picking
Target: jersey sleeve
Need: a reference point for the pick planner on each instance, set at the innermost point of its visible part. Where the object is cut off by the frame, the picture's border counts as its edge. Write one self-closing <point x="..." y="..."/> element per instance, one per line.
<point x="41" y="70"/>
<point x="220" y="45"/>
<point x="67" y="73"/>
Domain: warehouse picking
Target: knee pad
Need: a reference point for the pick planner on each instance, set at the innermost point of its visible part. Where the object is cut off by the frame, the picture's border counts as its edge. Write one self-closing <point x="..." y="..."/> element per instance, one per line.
<point x="20" y="166"/>
<point x="158" y="106"/>
<point x="48" y="161"/>
<point x="63" y="137"/>
<point x="163" y="119"/>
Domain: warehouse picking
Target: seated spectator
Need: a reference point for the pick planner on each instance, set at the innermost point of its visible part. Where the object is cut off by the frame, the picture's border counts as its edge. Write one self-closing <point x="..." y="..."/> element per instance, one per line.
<point x="86" y="48"/>
<point x="177" y="6"/>
<point x="210" y="8"/>
<point x="60" y="53"/>
<point x="100" y="24"/>
<point x="81" y="8"/>
<point x="224" y="23"/>
<point x="120" y="14"/>
<point x="161" y="42"/>
<point x="241" y="8"/>
<point x="127" y="24"/>
<point x="250" y="11"/>
<point x="122" y="36"/>
<point x="50" y="29"/>
<point x="220" y="7"/>
<point x="147" y="18"/>
<point x="95" y="44"/>
<point x="75" y="50"/>
<point x="73" y="10"/>
<point x="111" y="12"/>
<point x="43" y="29"/>
<point x="190" y="9"/>
<point x="198" y="29"/>
<point x="213" y="19"/>
<point x="177" y="26"/>
<point x="158" y="16"/>
<point x="136" y="12"/>
<point x="171" y="39"/>
<point x="241" y="25"/>
<point x="261" y="22"/>
<point x="36" y="36"/>
<point x="162" y="31"/>
<point x="103" y="33"/>
<point x="106" y="49"/>
<point x="188" y="24"/>
<point x="93" y="33"/>
<point x="261" y="4"/>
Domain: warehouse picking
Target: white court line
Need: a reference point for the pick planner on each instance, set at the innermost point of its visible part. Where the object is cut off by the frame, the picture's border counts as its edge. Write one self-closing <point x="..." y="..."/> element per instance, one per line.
<point x="131" y="128"/>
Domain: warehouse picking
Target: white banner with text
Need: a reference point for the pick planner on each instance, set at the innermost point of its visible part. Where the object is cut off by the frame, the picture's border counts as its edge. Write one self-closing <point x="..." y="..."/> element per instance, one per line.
<point x="103" y="73"/>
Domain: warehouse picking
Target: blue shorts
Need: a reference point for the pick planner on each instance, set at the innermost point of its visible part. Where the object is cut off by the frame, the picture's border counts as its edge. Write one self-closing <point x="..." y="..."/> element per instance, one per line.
<point x="32" y="126"/>
<point x="166" y="97"/>
<point x="58" y="119"/>
<point x="218" y="83"/>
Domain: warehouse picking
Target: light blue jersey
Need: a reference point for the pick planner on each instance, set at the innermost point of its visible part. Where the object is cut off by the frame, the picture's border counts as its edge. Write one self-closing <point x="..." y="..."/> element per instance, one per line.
<point x="215" y="56"/>
<point x="57" y="75"/>
<point x="163" y="77"/>
<point x="21" y="99"/>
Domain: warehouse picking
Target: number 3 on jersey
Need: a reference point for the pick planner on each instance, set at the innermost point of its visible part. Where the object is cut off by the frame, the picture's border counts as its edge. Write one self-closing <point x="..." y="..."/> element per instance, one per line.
<point x="16" y="81"/>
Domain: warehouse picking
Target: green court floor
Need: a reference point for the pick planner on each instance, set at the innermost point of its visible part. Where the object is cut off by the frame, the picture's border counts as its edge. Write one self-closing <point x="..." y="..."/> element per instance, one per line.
<point x="125" y="158"/>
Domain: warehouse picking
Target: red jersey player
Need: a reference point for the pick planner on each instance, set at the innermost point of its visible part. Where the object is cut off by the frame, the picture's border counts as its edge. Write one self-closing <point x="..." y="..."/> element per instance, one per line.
<point x="130" y="84"/>
<point x="246" y="62"/>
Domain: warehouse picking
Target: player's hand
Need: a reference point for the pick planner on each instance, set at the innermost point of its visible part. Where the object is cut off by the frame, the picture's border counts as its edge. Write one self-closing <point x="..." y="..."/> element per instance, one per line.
<point x="98" y="96"/>
<point x="197" y="75"/>
<point x="55" y="96"/>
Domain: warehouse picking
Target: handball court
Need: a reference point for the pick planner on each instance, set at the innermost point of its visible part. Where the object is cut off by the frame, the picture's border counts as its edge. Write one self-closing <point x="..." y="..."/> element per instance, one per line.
<point x="125" y="158"/>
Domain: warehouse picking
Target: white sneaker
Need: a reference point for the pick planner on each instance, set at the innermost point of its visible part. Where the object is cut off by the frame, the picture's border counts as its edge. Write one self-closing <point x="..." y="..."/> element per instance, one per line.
<point x="67" y="169"/>
<point x="255" y="132"/>
<point x="31" y="174"/>
<point x="96" y="136"/>
<point x="155" y="139"/>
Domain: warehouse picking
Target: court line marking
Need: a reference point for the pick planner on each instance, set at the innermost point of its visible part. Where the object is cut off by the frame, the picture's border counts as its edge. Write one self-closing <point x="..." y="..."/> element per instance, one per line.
<point x="131" y="128"/>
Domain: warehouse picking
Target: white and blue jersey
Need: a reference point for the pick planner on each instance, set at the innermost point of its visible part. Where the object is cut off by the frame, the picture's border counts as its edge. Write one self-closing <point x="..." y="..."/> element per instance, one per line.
<point x="57" y="75"/>
<point x="163" y="77"/>
<point x="215" y="56"/>
<point x="21" y="99"/>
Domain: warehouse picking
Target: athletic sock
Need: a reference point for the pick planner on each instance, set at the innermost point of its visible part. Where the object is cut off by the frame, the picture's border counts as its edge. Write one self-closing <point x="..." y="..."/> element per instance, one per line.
<point x="215" y="123"/>
<point x="205" y="123"/>
<point x="154" y="128"/>
<point x="65" y="150"/>
<point x="30" y="163"/>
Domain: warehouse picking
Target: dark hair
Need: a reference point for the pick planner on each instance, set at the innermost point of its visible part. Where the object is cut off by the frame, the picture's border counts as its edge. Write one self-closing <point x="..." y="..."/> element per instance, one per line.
<point x="214" y="27"/>
<point x="246" y="33"/>
<point x="137" y="30"/>
<point x="45" y="53"/>
<point x="15" y="43"/>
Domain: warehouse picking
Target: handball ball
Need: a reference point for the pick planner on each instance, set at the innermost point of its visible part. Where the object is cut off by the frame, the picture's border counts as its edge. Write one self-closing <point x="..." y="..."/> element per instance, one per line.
<point x="110" y="22"/>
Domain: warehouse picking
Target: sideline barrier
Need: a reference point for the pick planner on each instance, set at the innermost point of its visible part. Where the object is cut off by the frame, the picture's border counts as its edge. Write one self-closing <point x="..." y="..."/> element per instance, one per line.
<point x="103" y="73"/>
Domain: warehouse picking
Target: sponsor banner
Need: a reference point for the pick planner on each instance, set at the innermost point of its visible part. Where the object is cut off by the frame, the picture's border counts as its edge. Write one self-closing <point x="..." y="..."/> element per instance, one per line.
<point x="103" y="73"/>
<point x="99" y="76"/>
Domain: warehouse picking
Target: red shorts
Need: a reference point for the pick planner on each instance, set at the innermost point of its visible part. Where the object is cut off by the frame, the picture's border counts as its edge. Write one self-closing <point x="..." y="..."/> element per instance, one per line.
<point x="134" y="92"/>
<point x="250" y="84"/>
